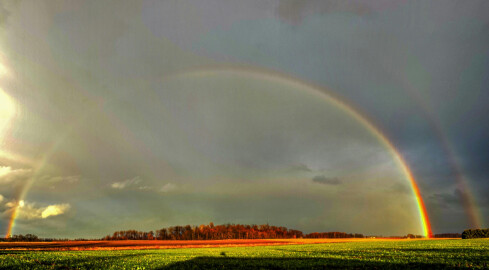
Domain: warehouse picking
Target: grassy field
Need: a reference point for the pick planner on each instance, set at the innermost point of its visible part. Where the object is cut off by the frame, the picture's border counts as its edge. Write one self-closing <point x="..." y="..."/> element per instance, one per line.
<point x="402" y="254"/>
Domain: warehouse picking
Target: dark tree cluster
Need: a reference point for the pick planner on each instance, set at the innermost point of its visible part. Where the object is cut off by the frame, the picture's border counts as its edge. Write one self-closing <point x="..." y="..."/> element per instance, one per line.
<point x="475" y="233"/>
<point x="34" y="238"/>
<point x="411" y="236"/>
<point x="334" y="235"/>
<point x="209" y="232"/>
<point x="131" y="235"/>
<point x="22" y="238"/>
<point x="448" y="235"/>
<point x="225" y="231"/>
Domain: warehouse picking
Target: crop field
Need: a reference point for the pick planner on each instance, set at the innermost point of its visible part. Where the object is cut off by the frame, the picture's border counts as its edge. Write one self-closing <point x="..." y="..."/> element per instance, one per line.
<point x="378" y="254"/>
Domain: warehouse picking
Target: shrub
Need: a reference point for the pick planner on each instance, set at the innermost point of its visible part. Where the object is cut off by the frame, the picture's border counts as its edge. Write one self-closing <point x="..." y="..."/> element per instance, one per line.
<point x="475" y="233"/>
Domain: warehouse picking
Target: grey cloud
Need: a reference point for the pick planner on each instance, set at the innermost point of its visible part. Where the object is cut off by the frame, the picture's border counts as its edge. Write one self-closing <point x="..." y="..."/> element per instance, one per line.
<point x="168" y="187"/>
<point x="57" y="179"/>
<point x="299" y="168"/>
<point x="5" y="12"/>
<point x="294" y="11"/>
<point x="446" y="200"/>
<point x="400" y="188"/>
<point x="12" y="175"/>
<point x="483" y="195"/>
<point x="126" y="183"/>
<point x="321" y="179"/>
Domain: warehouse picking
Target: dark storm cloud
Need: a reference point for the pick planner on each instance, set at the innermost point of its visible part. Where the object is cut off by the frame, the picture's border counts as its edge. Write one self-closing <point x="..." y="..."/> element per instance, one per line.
<point x="483" y="197"/>
<point x="419" y="70"/>
<point x="446" y="200"/>
<point x="321" y="179"/>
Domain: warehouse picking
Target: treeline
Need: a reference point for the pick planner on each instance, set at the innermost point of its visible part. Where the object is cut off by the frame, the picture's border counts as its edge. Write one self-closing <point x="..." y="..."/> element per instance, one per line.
<point x="209" y="232"/>
<point x="233" y="231"/>
<point x="226" y="231"/>
<point x="411" y="236"/>
<point x="334" y="235"/>
<point x="34" y="238"/>
<point x="475" y="233"/>
<point x="448" y="235"/>
<point x="21" y="238"/>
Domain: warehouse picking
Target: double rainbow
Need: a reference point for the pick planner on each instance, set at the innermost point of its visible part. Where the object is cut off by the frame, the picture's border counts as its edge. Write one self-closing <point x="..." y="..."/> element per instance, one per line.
<point x="317" y="91"/>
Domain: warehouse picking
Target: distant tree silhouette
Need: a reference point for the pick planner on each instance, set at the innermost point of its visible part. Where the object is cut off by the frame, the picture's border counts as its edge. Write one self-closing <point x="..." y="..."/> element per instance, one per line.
<point x="475" y="233"/>
<point x="22" y="238"/>
<point x="448" y="235"/>
<point x="225" y="231"/>
<point x="334" y="235"/>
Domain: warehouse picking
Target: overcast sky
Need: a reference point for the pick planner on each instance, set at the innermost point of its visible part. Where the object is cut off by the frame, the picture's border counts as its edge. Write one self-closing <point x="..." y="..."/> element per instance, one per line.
<point x="146" y="114"/>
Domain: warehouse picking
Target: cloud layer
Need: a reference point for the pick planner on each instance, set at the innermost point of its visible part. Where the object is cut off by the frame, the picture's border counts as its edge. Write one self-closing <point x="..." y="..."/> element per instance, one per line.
<point x="321" y="179"/>
<point x="9" y="175"/>
<point x="104" y="94"/>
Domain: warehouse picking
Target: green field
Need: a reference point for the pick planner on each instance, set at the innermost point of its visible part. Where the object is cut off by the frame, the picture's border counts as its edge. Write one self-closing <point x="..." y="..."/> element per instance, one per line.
<point x="425" y="254"/>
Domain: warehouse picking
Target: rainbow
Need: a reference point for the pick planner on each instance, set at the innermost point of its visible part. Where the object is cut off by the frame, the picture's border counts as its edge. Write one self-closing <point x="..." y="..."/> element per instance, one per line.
<point x="38" y="168"/>
<point x="319" y="92"/>
<point x="468" y="201"/>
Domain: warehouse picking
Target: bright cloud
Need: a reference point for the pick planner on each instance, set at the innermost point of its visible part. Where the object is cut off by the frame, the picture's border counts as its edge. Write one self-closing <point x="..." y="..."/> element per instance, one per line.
<point x="137" y="183"/>
<point x="55" y="210"/>
<point x="68" y="179"/>
<point x="168" y="187"/>
<point x="8" y="175"/>
<point x="129" y="182"/>
<point x="30" y="210"/>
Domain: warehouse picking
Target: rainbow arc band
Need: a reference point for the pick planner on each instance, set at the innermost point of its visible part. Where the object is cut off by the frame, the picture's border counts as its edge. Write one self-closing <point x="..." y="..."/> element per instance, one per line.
<point x="320" y="92"/>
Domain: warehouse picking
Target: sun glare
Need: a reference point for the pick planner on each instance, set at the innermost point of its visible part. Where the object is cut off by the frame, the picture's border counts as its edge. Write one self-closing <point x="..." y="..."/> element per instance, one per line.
<point x="3" y="70"/>
<point x="7" y="111"/>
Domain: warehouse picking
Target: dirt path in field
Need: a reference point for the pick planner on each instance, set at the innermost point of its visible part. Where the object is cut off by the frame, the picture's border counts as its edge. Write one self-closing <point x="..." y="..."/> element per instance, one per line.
<point x="166" y="244"/>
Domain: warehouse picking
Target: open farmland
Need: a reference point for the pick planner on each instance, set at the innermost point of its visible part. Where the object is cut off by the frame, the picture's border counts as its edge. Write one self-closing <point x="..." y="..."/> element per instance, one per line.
<point x="157" y="244"/>
<point x="374" y="253"/>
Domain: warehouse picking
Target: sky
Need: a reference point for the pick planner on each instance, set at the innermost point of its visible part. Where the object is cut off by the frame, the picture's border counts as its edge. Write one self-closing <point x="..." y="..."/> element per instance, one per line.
<point x="120" y="115"/>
